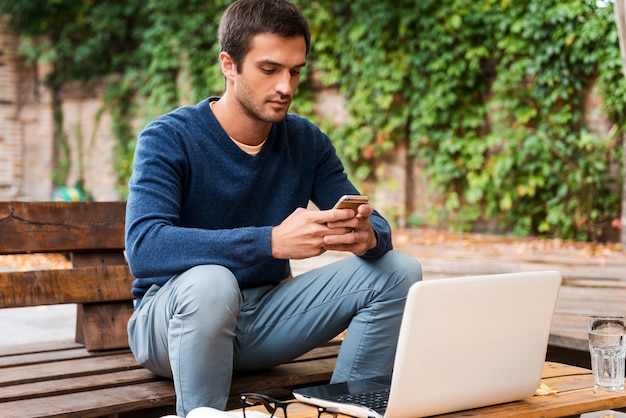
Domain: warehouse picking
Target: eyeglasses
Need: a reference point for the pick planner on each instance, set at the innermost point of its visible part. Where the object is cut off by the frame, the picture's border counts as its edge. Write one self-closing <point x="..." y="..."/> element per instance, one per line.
<point x="279" y="408"/>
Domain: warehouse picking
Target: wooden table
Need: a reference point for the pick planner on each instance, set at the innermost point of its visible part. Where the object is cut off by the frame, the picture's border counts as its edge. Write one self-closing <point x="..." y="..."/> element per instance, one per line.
<point x="576" y="395"/>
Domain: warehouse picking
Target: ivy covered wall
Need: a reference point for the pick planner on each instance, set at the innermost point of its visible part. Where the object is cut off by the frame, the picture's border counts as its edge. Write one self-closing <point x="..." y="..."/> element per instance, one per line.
<point x="488" y="98"/>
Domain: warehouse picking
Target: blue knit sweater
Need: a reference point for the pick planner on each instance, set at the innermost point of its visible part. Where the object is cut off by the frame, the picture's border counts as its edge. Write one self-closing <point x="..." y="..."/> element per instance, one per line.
<point x="196" y="198"/>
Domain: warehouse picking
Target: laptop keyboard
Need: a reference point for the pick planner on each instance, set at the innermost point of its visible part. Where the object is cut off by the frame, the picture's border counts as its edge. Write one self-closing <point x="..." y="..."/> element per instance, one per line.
<point x="375" y="399"/>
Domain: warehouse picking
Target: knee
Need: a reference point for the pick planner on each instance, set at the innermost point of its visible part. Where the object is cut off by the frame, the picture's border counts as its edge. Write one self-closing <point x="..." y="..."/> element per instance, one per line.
<point x="405" y="268"/>
<point x="205" y="287"/>
<point x="410" y="266"/>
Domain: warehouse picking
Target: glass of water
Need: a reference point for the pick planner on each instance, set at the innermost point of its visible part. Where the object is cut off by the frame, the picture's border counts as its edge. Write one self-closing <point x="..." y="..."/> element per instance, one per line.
<point x="607" y="346"/>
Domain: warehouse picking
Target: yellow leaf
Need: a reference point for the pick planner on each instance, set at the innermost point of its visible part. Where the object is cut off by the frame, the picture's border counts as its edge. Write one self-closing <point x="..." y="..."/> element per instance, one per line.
<point x="544" y="390"/>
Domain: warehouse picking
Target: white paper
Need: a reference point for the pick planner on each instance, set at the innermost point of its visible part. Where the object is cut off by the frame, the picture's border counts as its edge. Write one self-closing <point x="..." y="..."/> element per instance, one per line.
<point x="206" y="412"/>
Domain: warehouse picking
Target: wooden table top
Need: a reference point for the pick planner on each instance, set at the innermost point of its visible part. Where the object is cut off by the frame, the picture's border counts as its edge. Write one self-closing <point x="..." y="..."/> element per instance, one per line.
<point x="575" y="395"/>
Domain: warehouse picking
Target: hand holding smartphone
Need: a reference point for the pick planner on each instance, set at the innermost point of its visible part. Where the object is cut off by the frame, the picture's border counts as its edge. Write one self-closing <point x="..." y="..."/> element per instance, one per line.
<point x="351" y="202"/>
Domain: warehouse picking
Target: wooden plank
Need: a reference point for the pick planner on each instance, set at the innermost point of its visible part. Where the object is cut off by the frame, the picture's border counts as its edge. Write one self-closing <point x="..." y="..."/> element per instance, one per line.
<point x="66" y="369"/>
<point x="48" y="356"/>
<point x="94" y="403"/>
<point x="57" y="387"/>
<point x="102" y="326"/>
<point x="575" y="396"/>
<point x="98" y="259"/>
<point x="38" y="348"/>
<point x="61" y="226"/>
<point x="105" y="324"/>
<point x="571" y="403"/>
<point x="570" y="383"/>
<point x="329" y="350"/>
<point x="285" y="376"/>
<point x="551" y="369"/>
<point x="79" y="285"/>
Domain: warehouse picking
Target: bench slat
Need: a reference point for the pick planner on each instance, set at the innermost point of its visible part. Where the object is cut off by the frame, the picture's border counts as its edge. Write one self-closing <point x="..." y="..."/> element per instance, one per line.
<point x="35" y="227"/>
<point x="93" y="403"/>
<point x="79" y="285"/>
<point x="64" y="369"/>
<point x="285" y="375"/>
<point x="43" y="357"/>
<point x="75" y="384"/>
<point x="329" y="350"/>
<point x="75" y="352"/>
<point x="38" y="348"/>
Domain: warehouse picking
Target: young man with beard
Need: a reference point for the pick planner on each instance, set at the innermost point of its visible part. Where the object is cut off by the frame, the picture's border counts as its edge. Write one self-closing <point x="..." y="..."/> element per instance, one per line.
<point x="217" y="208"/>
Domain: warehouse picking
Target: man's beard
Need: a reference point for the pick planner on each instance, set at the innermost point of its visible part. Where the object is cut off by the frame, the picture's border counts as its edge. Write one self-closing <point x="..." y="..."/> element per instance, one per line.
<point x="253" y="109"/>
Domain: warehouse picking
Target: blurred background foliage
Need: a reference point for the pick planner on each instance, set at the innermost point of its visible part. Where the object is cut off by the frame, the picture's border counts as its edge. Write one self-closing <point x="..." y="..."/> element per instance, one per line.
<point x="487" y="95"/>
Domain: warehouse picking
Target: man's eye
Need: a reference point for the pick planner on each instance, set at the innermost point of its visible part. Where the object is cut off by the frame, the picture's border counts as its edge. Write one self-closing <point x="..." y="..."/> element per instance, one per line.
<point x="268" y="70"/>
<point x="295" y="73"/>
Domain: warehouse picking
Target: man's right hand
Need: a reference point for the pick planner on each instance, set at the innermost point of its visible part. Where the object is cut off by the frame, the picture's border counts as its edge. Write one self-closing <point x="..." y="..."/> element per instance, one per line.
<point x="301" y="234"/>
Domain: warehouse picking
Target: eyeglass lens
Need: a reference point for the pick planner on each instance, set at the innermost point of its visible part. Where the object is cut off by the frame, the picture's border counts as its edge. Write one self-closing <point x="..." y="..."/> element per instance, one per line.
<point x="278" y="409"/>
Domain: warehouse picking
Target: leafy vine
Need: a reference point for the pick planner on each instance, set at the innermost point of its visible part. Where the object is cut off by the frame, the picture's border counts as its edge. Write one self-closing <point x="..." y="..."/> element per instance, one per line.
<point x="488" y="96"/>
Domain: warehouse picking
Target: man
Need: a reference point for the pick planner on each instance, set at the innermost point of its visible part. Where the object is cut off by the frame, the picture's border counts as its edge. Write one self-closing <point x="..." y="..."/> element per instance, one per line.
<point x="217" y="208"/>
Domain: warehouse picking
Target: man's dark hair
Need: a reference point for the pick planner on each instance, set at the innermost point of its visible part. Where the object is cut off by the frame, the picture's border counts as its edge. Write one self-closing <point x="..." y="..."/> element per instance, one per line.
<point x="244" y="19"/>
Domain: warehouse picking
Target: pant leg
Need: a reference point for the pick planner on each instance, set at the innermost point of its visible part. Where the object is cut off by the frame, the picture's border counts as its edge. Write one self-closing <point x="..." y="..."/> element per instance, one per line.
<point x="185" y="329"/>
<point x="366" y="296"/>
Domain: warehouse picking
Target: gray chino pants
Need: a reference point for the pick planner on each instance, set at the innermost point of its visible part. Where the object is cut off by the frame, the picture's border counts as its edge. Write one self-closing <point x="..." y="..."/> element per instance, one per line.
<point x="199" y="326"/>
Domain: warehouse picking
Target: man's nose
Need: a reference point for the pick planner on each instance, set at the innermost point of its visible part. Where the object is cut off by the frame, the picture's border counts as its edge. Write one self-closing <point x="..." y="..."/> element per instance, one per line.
<point x="286" y="84"/>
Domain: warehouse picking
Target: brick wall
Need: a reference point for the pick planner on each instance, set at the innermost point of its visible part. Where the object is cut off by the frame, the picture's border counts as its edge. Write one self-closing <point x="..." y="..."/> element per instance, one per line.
<point x="26" y="131"/>
<point x="25" y="127"/>
<point x="10" y="128"/>
<point x="87" y="126"/>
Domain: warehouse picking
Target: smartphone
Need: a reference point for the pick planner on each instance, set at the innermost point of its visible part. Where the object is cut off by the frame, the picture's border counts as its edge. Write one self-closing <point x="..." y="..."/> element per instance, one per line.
<point x="351" y="202"/>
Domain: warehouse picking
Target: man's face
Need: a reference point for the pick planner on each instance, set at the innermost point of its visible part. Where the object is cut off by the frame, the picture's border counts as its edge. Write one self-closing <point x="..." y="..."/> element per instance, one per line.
<point x="265" y="86"/>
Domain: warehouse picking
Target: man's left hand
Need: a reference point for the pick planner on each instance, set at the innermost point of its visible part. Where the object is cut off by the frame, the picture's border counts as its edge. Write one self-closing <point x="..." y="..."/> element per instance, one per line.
<point x="359" y="237"/>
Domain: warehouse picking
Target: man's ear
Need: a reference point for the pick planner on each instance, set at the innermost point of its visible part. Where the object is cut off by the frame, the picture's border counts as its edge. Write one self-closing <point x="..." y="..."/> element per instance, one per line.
<point x="229" y="68"/>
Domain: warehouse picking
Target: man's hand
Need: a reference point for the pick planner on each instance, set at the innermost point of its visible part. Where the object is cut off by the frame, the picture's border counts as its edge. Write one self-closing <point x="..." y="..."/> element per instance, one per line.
<point x="361" y="237"/>
<point x="307" y="233"/>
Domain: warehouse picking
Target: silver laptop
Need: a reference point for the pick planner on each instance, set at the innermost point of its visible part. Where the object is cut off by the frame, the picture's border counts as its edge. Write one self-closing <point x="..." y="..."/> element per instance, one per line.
<point x="464" y="343"/>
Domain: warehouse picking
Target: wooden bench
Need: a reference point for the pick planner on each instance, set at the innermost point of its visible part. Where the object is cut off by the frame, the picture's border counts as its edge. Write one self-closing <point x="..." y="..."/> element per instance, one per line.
<point x="95" y="375"/>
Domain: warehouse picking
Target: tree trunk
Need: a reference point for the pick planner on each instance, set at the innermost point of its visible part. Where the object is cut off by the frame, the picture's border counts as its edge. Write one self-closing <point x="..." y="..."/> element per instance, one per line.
<point x="620" y="19"/>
